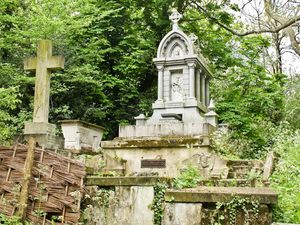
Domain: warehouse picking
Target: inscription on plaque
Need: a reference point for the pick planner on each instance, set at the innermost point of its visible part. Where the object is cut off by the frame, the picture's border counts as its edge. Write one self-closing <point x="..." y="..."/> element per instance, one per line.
<point x="153" y="163"/>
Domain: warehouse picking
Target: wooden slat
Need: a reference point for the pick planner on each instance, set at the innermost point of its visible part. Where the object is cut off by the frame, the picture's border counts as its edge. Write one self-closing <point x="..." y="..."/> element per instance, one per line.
<point x="54" y="176"/>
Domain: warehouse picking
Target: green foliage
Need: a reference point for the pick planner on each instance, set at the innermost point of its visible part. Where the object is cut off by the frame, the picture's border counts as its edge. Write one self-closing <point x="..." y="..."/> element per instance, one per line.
<point x="12" y="220"/>
<point x="188" y="178"/>
<point x="227" y="147"/>
<point x="9" y="101"/>
<point x="251" y="100"/>
<point x="248" y="97"/>
<point x="158" y="202"/>
<point x="292" y="103"/>
<point x="286" y="178"/>
<point x="229" y="209"/>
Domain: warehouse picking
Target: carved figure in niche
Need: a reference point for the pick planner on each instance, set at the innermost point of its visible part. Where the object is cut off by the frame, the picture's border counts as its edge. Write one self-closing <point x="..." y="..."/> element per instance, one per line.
<point x="176" y="87"/>
<point x="177" y="51"/>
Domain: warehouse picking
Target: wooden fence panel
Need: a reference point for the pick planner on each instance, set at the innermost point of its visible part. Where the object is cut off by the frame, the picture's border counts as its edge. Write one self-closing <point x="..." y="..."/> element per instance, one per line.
<point x="56" y="187"/>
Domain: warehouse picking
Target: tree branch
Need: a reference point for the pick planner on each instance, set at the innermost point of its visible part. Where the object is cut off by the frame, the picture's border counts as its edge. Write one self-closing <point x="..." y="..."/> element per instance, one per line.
<point x="245" y="4"/>
<point x="274" y="30"/>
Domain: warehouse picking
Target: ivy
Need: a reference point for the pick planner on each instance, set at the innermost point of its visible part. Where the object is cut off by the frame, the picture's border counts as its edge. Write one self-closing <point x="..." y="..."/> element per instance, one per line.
<point x="158" y="202"/>
<point x="229" y="209"/>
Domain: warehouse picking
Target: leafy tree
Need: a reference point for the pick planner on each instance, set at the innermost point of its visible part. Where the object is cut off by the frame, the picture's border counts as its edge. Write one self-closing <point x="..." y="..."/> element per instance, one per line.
<point x="251" y="100"/>
<point x="9" y="100"/>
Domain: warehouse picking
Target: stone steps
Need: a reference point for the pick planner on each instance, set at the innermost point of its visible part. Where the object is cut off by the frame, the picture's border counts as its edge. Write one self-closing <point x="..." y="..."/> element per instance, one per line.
<point x="243" y="169"/>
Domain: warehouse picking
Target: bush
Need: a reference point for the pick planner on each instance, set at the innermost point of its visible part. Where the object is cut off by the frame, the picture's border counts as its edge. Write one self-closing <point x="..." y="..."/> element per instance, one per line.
<point x="188" y="178"/>
<point x="286" y="178"/>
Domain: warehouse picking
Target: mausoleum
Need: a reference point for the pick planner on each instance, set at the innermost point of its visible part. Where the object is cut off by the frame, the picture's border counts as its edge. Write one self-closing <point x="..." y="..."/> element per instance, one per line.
<point x="183" y="88"/>
<point x="182" y="117"/>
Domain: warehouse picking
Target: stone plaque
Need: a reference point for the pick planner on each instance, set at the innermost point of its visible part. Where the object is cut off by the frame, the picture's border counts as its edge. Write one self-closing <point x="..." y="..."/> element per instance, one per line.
<point x="176" y="87"/>
<point x="153" y="163"/>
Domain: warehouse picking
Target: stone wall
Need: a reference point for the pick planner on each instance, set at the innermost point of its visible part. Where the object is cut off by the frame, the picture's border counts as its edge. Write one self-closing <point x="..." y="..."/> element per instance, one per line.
<point x="131" y="201"/>
<point x="127" y="205"/>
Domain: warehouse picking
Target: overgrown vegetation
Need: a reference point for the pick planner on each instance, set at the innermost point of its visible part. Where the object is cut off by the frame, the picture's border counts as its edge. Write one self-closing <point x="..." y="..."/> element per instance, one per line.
<point x="230" y="209"/>
<point x="7" y="220"/>
<point x="286" y="177"/>
<point x="188" y="178"/>
<point x="158" y="202"/>
<point x="98" y="197"/>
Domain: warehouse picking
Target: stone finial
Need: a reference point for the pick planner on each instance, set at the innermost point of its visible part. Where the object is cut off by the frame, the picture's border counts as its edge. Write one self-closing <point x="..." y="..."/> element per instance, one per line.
<point x="140" y="120"/>
<point x="211" y="116"/>
<point x="193" y="38"/>
<point x="175" y="17"/>
<point x="211" y="106"/>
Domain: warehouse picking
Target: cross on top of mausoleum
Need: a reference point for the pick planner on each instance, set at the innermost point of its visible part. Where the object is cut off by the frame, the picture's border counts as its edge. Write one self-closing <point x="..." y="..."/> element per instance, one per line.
<point x="175" y="17"/>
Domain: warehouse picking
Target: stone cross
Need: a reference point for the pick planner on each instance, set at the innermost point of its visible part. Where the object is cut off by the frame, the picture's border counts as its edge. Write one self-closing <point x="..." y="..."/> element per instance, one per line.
<point x="43" y="64"/>
<point x="175" y="17"/>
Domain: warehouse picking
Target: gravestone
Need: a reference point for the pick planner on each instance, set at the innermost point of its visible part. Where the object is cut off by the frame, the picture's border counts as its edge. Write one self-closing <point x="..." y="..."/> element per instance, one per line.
<point x="43" y="64"/>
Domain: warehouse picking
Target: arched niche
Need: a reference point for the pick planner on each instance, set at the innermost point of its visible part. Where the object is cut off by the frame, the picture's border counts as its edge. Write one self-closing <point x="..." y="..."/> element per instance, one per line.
<point x="175" y="44"/>
<point x="176" y="48"/>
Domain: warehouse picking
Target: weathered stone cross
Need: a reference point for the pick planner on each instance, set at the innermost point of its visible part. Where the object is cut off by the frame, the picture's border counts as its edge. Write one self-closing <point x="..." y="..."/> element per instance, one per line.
<point x="175" y="17"/>
<point x="43" y="64"/>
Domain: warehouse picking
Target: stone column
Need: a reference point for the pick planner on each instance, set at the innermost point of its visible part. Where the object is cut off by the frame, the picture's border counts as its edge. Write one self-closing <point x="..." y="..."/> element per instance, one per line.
<point x="203" y="88"/>
<point x="167" y="85"/>
<point x="198" y="85"/>
<point x="207" y="94"/>
<point x="192" y="80"/>
<point x="160" y="83"/>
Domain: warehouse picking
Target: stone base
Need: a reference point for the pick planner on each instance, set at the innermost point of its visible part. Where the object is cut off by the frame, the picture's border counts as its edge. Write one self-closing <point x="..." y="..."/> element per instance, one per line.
<point x="44" y="134"/>
<point x="165" y="157"/>
<point x="189" y="115"/>
<point x="158" y="104"/>
<point x="166" y="129"/>
<point x="182" y="214"/>
<point x="39" y="128"/>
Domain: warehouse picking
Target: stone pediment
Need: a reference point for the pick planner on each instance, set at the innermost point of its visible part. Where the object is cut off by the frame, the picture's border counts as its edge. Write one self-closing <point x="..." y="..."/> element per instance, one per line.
<point x="174" y="45"/>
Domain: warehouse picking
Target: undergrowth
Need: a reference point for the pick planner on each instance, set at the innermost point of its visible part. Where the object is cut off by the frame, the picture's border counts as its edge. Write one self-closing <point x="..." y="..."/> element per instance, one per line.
<point x="189" y="178"/>
<point x="286" y="178"/>
<point x="12" y="220"/>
